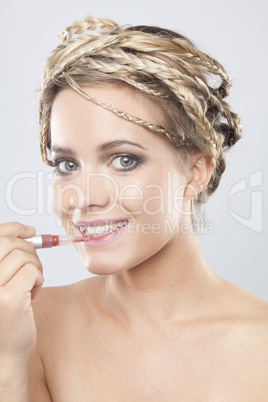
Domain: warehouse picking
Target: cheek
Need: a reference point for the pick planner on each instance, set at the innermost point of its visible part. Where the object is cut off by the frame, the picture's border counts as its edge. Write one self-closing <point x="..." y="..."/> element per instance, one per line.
<point x="159" y="195"/>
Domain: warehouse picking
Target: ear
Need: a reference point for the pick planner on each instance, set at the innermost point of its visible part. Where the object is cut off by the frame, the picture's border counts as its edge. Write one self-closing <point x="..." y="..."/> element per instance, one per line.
<point x="201" y="171"/>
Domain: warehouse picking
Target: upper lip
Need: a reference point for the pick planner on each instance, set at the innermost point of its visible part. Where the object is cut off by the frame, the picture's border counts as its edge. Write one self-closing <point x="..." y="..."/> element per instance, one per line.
<point x="99" y="222"/>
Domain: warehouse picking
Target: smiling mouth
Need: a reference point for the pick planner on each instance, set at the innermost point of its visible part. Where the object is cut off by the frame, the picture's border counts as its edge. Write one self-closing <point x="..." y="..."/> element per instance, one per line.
<point x="101" y="230"/>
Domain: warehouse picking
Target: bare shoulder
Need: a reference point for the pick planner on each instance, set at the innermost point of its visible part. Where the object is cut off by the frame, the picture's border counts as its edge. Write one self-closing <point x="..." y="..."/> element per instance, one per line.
<point x="238" y="336"/>
<point x="56" y="306"/>
<point x="248" y="321"/>
<point x="246" y="304"/>
<point x="57" y="313"/>
<point x="248" y="336"/>
<point x="48" y="296"/>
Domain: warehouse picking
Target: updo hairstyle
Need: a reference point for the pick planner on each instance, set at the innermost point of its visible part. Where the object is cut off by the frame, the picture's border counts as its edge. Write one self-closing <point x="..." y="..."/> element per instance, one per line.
<point x="185" y="84"/>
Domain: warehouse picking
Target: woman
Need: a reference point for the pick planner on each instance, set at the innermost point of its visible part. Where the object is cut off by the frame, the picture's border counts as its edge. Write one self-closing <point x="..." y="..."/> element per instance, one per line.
<point x="134" y="122"/>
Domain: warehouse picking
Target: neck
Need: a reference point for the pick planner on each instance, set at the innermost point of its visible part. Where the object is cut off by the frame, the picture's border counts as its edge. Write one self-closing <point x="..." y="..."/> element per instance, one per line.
<point x="164" y="289"/>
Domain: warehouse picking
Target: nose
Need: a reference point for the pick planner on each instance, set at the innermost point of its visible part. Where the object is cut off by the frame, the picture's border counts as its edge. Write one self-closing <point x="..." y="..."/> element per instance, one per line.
<point x="93" y="192"/>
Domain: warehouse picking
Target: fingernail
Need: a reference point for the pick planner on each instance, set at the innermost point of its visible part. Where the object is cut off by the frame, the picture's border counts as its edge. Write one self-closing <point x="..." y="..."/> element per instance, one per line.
<point x="29" y="227"/>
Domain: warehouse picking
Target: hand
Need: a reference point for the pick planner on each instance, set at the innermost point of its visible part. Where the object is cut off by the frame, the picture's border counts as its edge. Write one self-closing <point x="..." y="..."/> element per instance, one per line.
<point x="20" y="279"/>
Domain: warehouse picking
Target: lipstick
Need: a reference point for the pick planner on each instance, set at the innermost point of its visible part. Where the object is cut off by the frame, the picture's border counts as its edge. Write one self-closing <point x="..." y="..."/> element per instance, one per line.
<point x="49" y="241"/>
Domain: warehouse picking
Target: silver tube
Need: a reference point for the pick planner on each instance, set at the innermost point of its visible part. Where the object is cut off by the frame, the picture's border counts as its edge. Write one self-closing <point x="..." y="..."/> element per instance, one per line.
<point x="37" y="241"/>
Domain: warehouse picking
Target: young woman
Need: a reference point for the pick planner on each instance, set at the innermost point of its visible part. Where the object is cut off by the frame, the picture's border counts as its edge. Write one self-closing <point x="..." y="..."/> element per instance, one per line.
<point x="134" y="122"/>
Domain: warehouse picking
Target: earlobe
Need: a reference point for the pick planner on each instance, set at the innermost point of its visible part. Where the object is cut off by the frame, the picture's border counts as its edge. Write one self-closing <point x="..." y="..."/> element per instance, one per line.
<point x="201" y="172"/>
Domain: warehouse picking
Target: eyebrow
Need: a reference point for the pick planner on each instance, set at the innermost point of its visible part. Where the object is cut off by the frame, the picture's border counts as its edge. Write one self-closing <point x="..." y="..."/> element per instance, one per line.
<point x="106" y="146"/>
<point x="112" y="144"/>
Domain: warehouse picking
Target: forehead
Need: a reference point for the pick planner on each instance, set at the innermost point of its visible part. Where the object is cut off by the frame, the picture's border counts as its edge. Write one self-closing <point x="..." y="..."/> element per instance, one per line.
<point x="75" y="116"/>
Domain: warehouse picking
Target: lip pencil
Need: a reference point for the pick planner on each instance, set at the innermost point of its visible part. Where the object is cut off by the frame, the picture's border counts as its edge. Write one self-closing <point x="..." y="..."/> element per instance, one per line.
<point x="48" y="240"/>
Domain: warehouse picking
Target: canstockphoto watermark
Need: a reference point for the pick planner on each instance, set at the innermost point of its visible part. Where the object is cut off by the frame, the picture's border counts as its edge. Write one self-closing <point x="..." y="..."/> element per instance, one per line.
<point x="160" y="201"/>
<point x="254" y="192"/>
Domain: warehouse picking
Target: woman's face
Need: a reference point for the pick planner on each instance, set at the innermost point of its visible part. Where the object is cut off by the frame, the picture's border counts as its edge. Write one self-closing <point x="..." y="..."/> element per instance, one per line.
<point x="111" y="171"/>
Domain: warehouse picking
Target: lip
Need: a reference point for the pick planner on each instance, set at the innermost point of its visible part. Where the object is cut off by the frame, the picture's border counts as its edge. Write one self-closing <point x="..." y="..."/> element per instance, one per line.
<point x="98" y="222"/>
<point x="103" y="240"/>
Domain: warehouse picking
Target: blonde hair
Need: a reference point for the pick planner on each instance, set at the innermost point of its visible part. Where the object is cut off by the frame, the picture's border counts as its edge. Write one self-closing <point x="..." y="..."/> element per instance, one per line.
<point x="186" y="84"/>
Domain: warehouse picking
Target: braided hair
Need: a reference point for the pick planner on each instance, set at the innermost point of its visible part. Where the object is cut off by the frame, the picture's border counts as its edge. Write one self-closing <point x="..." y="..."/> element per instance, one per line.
<point x="186" y="84"/>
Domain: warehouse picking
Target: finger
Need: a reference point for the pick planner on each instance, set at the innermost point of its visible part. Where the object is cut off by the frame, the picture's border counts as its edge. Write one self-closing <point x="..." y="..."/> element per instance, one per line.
<point x="13" y="263"/>
<point x="16" y="229"/>
<point x="35" y="290"/>
<point x="7" y="244"/>
<point x="26" y="278"/>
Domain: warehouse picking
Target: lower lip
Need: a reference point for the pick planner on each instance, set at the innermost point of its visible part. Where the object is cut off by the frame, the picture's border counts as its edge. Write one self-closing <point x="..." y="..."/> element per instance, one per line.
<point x="103" y="240"/>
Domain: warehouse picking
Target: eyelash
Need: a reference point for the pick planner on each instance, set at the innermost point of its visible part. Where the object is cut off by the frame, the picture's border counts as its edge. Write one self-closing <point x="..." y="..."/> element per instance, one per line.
<point x="59" y="172"/>
<point x="137" y="160"/>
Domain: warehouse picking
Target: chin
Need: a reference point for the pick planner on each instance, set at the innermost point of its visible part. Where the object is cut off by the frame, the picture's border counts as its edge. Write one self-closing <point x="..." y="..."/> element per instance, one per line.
<point x="107" y="269"/>
<point x="100" y="266"/>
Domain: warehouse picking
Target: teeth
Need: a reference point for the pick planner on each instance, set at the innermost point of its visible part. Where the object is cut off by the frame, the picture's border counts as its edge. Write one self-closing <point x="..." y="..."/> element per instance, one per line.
<point x="82" y="228"/>
<point x="101" y="230"/>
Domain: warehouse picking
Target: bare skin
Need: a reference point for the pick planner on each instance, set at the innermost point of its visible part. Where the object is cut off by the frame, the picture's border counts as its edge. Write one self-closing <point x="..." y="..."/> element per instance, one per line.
<point x="155" y="323"/>
<point x="90" y="353"/>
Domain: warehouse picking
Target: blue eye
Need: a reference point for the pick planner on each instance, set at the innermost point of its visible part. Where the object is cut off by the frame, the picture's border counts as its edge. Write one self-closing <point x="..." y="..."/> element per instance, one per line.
<point x="125" y="162"/>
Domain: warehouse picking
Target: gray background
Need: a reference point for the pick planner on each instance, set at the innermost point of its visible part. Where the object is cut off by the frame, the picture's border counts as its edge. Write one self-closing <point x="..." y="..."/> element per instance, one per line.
<point x="234" y="32"/>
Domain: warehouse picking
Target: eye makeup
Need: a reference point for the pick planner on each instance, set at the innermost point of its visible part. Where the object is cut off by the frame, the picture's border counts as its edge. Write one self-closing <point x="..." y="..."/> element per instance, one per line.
<point x="124" y="157"/>
<point x="65" y="165"/>
<point x="61" y="163"/>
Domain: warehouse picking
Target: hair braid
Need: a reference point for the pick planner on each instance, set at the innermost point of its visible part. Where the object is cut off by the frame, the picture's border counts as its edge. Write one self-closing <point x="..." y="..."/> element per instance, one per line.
<point x="126" y="116"/>
<point x="89" y="23"/>
<point x="44" y="118"/>
<point x="186" y="83"/>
